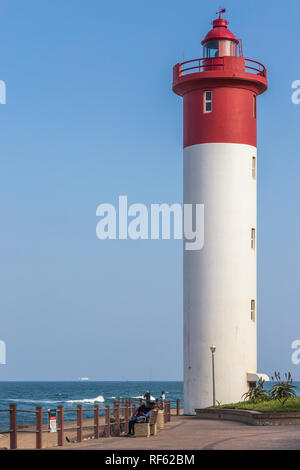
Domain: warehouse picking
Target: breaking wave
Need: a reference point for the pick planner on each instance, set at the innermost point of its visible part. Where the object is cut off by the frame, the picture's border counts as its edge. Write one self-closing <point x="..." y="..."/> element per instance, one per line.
<point x="99" y="399"/>
<point x="25" y="400"/>
<point x="141" y="397"/>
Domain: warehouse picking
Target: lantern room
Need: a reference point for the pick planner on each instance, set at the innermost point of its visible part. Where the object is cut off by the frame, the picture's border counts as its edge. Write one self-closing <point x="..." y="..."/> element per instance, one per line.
<point x="220" y="41"/>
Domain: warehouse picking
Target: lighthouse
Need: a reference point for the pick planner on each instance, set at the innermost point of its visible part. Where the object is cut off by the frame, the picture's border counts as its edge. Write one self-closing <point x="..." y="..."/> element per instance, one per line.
<point x="219" y="93"/>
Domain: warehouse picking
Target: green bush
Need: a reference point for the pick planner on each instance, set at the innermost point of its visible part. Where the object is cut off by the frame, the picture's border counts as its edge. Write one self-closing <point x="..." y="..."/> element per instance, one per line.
<point x="256" y="394"/>
<point x="282" y="390"/>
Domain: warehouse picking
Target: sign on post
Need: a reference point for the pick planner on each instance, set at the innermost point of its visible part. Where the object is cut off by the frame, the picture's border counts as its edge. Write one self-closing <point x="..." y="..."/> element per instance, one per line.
<point x="52" y="420"/>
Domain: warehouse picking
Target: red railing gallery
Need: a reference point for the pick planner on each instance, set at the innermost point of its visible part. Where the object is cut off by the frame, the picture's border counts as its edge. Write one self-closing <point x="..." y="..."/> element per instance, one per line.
<point x="204" y="64"/>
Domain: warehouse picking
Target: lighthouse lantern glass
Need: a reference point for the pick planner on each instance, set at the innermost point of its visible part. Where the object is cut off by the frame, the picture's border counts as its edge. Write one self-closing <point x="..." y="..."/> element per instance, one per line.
<point x="211" y="49"/>
<point x="220" y="48"/>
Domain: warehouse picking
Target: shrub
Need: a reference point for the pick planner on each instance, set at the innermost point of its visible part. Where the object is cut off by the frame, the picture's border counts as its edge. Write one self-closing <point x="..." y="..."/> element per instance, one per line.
<point x="257" y="393"/>
<point x="283" y="389"/>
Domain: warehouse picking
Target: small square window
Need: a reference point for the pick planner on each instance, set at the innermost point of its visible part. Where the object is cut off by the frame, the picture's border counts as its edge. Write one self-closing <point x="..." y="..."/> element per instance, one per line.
<point x="253" y="238"/>
<point x="253" y="310"/>
<point x="208" y="101"/>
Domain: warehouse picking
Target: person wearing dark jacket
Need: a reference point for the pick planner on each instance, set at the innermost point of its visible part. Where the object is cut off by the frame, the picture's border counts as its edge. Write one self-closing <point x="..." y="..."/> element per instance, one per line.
<point x="142" y="411"/>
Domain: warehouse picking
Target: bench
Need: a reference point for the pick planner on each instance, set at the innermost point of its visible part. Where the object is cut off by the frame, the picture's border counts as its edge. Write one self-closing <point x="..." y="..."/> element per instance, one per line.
<point x="147" y="429"/>
<point x="160" y="420"/>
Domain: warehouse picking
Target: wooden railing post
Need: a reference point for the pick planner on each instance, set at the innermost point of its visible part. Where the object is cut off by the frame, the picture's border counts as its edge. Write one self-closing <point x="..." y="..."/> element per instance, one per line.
<point x="39" y="427"/>
<point x="117" y="419"/>
<point x="123" y="406"/>
<point x="165" y="412"/>
<point x="169" y="411"/>
<point x="13" y="426"/>
<point x="115" y="415"/>
<point x="96" y="422"/>
<point x="60" y="419"/>
<point x="107" y="421"/>
<point x="126" y="416"/>
<point x="79" y="423"/>
<point x="178" y="407"/>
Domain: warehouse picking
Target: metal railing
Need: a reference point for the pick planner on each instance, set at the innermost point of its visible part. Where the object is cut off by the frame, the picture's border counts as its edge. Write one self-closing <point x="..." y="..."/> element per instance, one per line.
<point x="217" y="63"/>
<point x="116" y="421"/>
<point x="255" y="67"/>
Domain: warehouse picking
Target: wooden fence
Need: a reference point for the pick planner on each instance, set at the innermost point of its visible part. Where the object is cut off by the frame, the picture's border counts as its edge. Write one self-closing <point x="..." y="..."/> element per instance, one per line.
<point x="115" y="422"/>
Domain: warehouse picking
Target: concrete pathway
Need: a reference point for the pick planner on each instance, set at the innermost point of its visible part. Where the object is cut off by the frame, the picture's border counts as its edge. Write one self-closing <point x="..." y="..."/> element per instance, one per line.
<point x="186" y="433"/>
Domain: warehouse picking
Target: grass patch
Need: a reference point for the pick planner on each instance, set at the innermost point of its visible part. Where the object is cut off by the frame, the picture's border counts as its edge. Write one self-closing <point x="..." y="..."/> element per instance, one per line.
<point x="292" y="404"/>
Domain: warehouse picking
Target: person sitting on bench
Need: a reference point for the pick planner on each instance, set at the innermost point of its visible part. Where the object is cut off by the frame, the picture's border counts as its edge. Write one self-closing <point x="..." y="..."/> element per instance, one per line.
<point x="141" y="415"/>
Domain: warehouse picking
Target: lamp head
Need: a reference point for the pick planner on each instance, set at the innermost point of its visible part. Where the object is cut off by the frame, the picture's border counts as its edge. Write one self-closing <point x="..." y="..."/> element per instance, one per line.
<point x="213" y="348"/>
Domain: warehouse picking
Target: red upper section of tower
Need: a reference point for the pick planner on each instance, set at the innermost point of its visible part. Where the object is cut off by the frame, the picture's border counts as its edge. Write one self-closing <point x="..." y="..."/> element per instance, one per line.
<point x="219" y="91"/>
<point x="220" y="31"/>
<point x="222" y="65"/>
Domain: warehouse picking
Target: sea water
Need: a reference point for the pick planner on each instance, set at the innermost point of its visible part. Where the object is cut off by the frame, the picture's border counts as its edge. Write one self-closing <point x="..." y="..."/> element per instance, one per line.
<point x="48" y="395"/>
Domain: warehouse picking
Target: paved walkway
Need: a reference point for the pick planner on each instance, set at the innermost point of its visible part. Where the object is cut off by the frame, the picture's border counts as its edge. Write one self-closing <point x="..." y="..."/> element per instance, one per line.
<point x="186" y="433"/>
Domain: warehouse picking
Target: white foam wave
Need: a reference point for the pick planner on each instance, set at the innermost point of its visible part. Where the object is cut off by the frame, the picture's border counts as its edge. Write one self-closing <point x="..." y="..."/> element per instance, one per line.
<point x="26" y="400"/>
<point x="141" y="397"/>
<point x="99" y="399"/>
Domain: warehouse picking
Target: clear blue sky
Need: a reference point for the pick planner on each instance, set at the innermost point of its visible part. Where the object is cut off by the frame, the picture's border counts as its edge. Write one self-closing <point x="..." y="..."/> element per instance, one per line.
<point x="89" y="116"/>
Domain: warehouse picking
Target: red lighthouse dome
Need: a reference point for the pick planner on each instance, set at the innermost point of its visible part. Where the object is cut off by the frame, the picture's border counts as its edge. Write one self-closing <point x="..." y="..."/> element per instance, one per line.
<point x="220" y="41"/>
<point x="219" y="31"/>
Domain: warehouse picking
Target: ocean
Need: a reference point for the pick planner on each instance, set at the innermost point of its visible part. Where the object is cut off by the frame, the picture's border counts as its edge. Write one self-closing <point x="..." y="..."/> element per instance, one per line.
<point x="48" y="395"/>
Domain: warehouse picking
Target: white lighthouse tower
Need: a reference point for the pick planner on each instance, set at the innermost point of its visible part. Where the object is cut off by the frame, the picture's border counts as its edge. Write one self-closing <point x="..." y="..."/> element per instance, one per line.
<point x="220" y="159"/>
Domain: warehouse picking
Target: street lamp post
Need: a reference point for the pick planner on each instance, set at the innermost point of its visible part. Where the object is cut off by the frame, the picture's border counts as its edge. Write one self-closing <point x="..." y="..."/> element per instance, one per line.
<point x="213" y="350"/>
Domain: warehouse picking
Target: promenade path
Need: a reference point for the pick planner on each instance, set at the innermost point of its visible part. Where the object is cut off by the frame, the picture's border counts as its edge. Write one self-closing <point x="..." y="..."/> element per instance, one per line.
<point x="186" y="432"/>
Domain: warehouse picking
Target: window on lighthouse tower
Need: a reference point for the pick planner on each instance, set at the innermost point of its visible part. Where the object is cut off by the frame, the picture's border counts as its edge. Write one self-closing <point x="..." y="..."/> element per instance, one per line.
<point x="253" y="236"/>
<point x="208" y="101"/>
<point x="253" y="310"/>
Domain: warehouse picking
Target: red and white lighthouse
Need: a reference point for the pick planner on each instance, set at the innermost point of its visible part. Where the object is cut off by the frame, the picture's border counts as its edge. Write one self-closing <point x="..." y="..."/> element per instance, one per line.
<point x="219" y="94"/>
